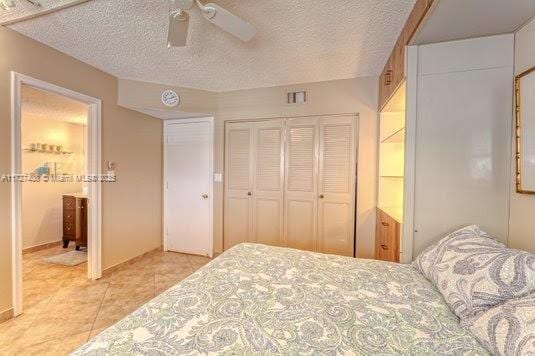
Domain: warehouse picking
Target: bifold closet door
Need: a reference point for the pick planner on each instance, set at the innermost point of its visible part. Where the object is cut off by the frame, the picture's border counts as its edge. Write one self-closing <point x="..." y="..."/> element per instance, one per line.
<point x="254" y="187"/>
<point x="337" y="179"/>
<point x="238" y="214"/>
<point x="291" y="183"/>
<point x="301" y="183"/>
<point x="268" y="192"/>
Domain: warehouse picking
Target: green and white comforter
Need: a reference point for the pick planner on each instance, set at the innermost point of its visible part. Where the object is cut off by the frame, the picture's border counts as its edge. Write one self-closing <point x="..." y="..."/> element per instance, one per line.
<point x="260" y="299"/>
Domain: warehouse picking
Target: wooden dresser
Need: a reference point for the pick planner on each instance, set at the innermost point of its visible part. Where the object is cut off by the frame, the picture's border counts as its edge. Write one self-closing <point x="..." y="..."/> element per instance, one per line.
<point x="75" y="220"/>
<point x="387" y="237"/>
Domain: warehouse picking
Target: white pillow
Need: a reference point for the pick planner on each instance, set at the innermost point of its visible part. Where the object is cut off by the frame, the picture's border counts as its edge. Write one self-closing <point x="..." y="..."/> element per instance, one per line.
<point x="508" y="329"/>
<point x="474" y="272"/>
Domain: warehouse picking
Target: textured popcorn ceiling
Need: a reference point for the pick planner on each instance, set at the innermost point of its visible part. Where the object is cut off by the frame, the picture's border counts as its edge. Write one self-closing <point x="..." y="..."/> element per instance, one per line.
<point x="40" y="103"/>
<point x="298" y="41"/>
<point x="24" y="8"/>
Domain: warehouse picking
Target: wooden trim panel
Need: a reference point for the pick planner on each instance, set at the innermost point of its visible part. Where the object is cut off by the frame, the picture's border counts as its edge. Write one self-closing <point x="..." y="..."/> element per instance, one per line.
<point x="394" y="71"/>
<point x="6" y="315"/>
<point x="41" y="247"/>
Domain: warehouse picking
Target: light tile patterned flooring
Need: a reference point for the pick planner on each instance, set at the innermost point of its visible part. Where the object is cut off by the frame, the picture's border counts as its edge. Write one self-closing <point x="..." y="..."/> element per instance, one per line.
<point x="63" y="310"/>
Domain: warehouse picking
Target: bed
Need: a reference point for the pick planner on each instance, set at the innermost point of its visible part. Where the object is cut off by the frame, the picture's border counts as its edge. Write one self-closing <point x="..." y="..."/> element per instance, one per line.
<point x="261" y="299"/>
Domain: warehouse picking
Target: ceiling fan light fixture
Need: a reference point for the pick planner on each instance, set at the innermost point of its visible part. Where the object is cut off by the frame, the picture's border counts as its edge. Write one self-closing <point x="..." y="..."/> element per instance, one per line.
<point x="178" y="28"/>
<point x="9" y="4"/>
<point x="222" y="18"/>
<point x="228" y="22"/>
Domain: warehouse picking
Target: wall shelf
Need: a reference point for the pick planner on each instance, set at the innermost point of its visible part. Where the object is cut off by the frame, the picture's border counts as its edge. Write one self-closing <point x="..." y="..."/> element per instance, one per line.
<point x="48" y="151"/>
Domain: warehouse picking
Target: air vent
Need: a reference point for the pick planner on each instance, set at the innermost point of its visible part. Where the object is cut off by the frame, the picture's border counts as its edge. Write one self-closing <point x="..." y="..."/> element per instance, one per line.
<point x="298" y="97"/>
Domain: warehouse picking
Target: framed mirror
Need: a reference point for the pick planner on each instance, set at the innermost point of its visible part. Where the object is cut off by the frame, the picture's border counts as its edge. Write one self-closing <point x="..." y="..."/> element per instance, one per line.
<point x="525" y="132"/>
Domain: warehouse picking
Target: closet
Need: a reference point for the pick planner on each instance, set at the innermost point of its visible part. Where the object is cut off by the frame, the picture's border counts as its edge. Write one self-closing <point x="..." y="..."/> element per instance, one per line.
<point x="291" y="182"/>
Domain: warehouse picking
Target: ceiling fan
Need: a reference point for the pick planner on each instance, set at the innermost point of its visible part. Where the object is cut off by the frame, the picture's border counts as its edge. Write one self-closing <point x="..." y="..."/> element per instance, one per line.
<point x="222" y="18"/>
<point x="7" y="4"/>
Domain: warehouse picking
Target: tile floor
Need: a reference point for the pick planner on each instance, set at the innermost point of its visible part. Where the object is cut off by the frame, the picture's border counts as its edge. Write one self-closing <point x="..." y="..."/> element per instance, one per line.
<point x="63" y="309"/>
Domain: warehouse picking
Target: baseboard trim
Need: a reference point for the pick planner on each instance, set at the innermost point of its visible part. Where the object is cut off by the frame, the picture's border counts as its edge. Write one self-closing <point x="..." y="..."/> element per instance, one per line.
<point x="41" y="247"/>
<point x="6" y="315"/>
<point x="112" y="269"/>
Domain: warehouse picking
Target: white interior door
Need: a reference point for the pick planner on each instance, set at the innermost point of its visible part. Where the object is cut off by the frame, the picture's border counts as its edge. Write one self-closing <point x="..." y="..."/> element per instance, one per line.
<point x="188" y="183"/>
<point x="238" y="184"/>
<point x="301" y="188"/>
<point x="268" y="192"/>
<point x="337" y="176"/>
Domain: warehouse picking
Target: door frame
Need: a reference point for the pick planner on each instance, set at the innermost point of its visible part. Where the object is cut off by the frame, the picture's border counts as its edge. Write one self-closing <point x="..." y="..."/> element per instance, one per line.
<point x="168" y="123"/>
<point x="94" y="155"/>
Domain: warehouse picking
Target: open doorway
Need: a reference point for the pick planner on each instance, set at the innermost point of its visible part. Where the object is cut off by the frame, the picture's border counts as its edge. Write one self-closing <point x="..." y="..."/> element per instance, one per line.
<point x="56" y="189"/>
<point x="54" y="198"/>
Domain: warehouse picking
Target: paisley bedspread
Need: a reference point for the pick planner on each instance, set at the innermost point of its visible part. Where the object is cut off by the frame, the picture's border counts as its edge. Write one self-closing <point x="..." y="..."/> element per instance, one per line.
<point x="260" y="299"/>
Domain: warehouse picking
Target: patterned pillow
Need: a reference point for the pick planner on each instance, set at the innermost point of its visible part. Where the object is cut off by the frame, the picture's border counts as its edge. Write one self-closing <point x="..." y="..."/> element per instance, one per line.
<point x="508" y="329"/>
<point x="474" y="272"/>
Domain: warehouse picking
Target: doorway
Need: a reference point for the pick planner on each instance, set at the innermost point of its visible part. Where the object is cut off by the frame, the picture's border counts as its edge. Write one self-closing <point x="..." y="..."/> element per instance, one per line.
<point x="188" y="196"/>
<point x="55" y="156"/>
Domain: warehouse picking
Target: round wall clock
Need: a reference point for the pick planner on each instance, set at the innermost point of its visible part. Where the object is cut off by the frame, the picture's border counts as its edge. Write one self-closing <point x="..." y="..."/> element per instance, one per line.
<point x="170" y="98"/>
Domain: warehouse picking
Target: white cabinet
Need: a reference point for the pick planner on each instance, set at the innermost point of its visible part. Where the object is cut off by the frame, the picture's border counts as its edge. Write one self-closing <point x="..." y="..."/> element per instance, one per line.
<point x="292" y="183"/>
<point x="463" y="138"/>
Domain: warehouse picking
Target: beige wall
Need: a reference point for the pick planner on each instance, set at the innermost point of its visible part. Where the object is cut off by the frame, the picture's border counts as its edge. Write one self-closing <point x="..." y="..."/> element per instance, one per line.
<point x="131" y="139"/>
<point x="333" y="97"/>
<point x="147" y="96"/>
<point x="42" y="206"/>
<point x="521" y="232"/>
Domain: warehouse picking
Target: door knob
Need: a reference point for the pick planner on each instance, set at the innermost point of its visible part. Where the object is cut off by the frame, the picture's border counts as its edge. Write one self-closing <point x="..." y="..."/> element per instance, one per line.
<point x="249" y="193"/>
<point x="322" y="196"/>
<point x="205" y="196"/>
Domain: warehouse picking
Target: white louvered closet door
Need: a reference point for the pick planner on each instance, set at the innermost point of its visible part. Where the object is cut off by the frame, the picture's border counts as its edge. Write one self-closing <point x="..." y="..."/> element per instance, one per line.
<point x="268" y="192"/>
<point x="337" y="177"/>
<point x="238" y="215"/>
<point x="301" y="183"/>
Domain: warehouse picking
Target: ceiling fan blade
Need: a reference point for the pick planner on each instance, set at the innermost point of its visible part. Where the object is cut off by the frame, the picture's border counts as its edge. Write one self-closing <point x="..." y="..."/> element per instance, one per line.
<point x="178" y="29"/>
<point x="229" y="22"/>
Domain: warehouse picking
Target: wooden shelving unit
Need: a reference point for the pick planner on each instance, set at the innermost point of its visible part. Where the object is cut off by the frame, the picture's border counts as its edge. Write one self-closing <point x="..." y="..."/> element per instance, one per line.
<point x="391" y="178"/>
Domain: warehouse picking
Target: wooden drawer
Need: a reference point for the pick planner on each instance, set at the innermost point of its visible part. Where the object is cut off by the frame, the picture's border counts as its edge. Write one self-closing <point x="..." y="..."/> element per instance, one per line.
<point x="69" y="203"/>
<point x="75" y="220"/>
<point x="387" y="237"/>
<point x="69" y="216"/>
<point x="69" y="229"/>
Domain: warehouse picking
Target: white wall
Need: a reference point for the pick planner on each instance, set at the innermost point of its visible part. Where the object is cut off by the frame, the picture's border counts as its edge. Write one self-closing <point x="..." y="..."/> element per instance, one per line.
<point x="521" y="231"/>
<point x="334" y="97"/>
<point x="463" y="147"/>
